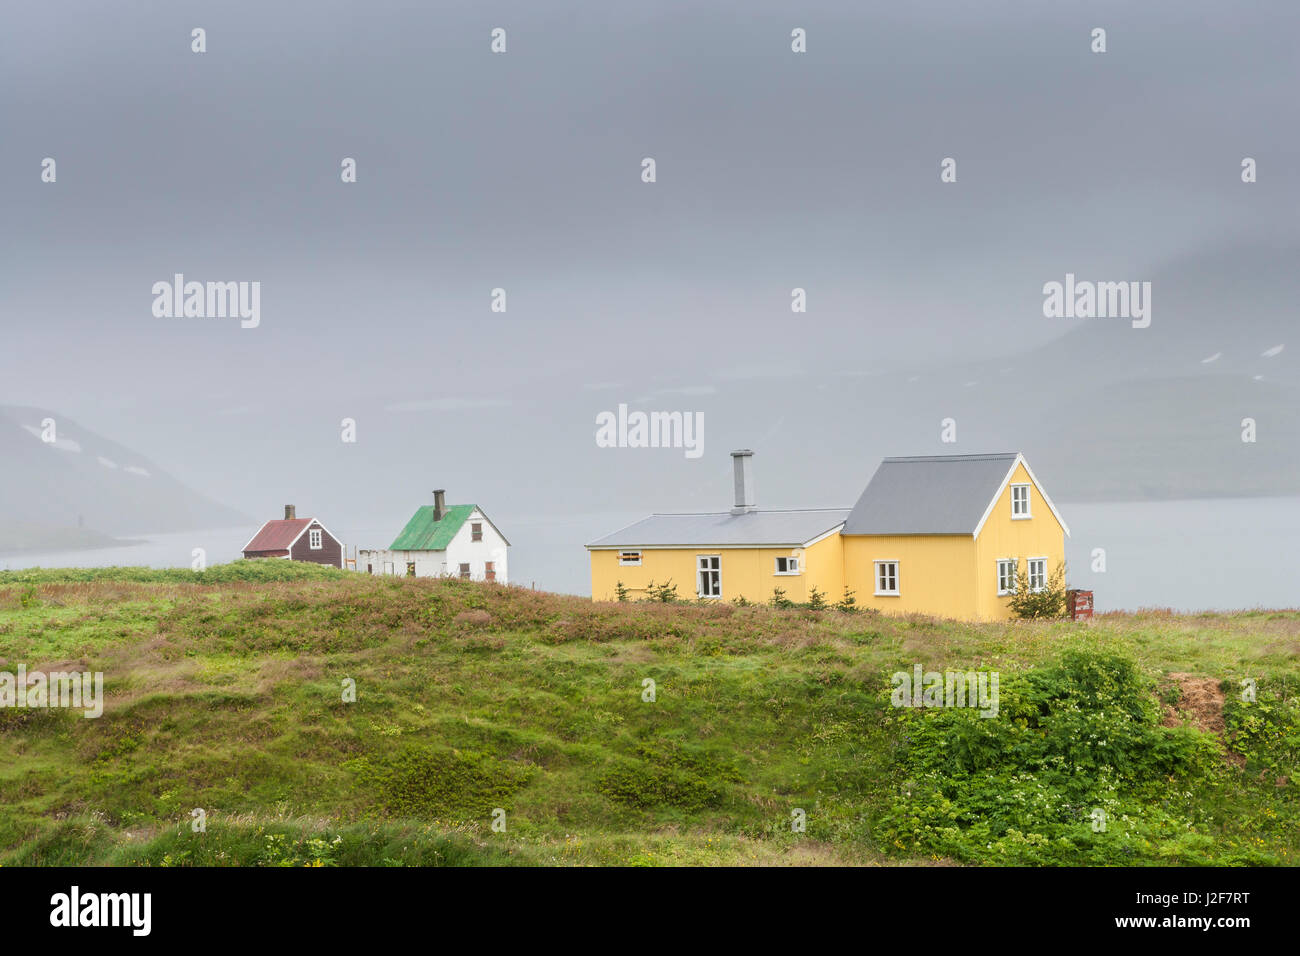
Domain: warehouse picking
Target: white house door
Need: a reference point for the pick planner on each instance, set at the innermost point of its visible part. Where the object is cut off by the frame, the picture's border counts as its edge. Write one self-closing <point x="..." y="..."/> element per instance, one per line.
<point x="709" y="578"/>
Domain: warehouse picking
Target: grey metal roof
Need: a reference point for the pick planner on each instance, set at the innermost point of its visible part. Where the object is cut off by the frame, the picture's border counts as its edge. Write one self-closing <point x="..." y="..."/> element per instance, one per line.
<point x="938" y="494"/>
<point x="775" y="528"/>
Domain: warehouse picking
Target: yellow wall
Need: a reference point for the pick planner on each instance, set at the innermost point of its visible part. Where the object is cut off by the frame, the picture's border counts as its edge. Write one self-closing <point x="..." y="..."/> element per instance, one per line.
<point x="1037" y="537"/>
<point x="823" y="567"/>
<point x="936" y="573"/>
<point x="747" y="572"/>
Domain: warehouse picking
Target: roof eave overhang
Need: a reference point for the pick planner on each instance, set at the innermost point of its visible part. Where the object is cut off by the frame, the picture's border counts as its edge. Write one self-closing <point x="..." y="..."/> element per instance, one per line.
<point x="748" y="544"/>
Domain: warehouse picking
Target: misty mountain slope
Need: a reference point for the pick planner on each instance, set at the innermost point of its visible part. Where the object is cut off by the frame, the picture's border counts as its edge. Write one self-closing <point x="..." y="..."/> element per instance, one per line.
<point x="1156" y="438"/>
<point x="85" y="479"/>
<point x="1225" y="309"/>
<point x="1173" y="438"/>
<point x="1107" y="411"/>
<point x="1157" y="412"/>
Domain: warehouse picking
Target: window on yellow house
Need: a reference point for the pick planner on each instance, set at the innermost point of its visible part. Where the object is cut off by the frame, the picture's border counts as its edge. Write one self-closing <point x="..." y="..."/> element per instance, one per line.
<point x="1007" y="576"/>
<point x="1020" y="501"/>
<point x="1037" y="574"/>
<point x="629" y="557"/>
<point x="787" y="565"/>
<point x="886" y="577"/>
<point x="709" y="576"/>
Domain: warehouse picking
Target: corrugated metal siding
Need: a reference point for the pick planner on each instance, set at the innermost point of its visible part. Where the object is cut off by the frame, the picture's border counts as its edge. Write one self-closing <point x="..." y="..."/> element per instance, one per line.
<point x="422" y="533"/>
<point x="277" y="535"/>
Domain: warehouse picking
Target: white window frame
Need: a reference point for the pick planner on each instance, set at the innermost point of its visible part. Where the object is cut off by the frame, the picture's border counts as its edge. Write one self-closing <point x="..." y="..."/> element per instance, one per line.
<point x="791" y="566"/>
<point x="314" y="537"/>
<point x="629" y="559"/>
<point x="1028" y="512"/>
<point x="896" y="578"/>
<point x="702" y="568"/>
<point x="1015" y="569"/>
<point x="1029" y="570"/>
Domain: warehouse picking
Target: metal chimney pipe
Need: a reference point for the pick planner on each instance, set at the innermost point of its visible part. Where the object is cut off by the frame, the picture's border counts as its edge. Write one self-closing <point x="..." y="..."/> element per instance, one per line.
<point x="743" y="467"/>
<point x="439" y="503"/>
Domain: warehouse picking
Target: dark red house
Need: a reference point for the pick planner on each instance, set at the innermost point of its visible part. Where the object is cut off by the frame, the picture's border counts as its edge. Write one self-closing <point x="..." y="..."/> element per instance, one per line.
<point x="297" y="539"/>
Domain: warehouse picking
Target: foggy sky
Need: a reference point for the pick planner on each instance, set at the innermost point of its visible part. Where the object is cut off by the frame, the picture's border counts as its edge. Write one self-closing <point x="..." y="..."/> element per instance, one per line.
<point x="522" y="171"/>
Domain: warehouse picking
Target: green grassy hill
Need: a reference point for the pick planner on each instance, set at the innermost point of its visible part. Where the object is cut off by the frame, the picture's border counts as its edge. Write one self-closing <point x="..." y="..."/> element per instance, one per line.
<point x="224" y="692"/>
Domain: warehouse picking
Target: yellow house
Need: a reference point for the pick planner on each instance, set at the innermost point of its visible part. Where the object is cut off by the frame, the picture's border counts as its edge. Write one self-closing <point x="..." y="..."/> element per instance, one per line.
<point x="943" y="535"/>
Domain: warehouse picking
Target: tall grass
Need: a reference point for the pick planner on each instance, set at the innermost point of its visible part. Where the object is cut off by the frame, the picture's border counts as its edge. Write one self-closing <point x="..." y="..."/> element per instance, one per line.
<point x="480" y="704"/>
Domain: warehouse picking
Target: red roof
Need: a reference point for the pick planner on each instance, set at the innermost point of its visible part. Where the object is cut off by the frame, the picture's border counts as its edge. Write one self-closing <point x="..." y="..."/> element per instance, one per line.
<point x="278" y="535"/>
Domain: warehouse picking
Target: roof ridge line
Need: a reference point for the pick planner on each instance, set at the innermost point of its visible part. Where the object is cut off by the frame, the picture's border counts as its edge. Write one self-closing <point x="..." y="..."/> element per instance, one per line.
<point x="988" y="455"/>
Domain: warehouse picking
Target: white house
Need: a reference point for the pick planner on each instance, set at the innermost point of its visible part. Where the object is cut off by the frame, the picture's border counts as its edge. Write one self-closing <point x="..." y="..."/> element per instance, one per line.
<point x="443" y="540"/>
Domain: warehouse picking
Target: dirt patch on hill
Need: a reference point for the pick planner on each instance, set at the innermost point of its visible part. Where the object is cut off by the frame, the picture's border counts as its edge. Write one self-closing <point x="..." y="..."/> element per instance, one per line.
<point x="1200" y="701"/>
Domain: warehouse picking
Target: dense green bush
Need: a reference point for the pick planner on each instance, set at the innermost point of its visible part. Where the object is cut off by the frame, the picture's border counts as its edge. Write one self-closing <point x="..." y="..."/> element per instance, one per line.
<point x="668" y="775"/>
<point x="1072" y="746"/>
<point x="422" y="781"/>
<point x="1046" y="602"/>
<point x="1266" y="731"/>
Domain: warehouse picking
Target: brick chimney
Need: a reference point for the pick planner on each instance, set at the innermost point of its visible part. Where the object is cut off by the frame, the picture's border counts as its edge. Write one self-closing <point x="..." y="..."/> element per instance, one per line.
<point x="290" y="512"/>
<point x="439" y="504"/>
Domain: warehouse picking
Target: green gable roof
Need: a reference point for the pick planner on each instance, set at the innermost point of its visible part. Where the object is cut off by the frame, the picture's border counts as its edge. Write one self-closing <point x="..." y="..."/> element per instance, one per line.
<point x="422" y="533"/>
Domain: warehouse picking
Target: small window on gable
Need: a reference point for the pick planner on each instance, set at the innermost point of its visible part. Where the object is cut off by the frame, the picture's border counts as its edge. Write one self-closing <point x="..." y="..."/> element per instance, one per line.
<point x="787" y="565"/>
<point x="476" y="531"/>
<point x="629" y="557"/>
<point x="1020" y="501"/>
<point x="1007" y="576"/>
<point x="313" y="539"/>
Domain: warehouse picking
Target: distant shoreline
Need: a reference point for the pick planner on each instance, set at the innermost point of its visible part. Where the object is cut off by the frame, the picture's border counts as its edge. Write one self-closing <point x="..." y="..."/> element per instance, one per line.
<point x="34" y="539"/>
